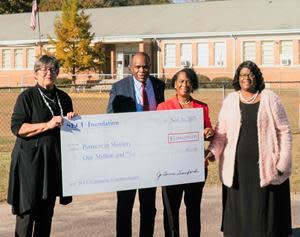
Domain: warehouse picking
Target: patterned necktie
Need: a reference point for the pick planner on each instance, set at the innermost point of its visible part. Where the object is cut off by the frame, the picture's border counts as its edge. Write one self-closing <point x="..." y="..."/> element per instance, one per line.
<point x="145" y="97"/>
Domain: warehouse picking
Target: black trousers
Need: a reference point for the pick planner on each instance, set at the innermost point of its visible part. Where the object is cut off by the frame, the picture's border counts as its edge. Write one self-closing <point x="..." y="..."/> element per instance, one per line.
<point x="192" y="199"/>
<point x="37" y="221"/>
<point x="125" y="201"/>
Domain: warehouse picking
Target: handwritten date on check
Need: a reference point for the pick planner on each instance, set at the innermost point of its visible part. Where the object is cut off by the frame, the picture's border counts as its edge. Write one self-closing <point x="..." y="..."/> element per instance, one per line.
<point x="113" y="152"/>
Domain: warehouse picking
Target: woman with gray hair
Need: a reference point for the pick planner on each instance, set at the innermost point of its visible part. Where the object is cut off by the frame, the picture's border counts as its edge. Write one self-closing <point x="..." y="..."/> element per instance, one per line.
<point x="35" y="172"/>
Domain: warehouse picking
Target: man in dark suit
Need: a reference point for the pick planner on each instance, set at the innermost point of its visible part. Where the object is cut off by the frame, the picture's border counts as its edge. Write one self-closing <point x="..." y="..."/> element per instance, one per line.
<point x="139" y="92"/>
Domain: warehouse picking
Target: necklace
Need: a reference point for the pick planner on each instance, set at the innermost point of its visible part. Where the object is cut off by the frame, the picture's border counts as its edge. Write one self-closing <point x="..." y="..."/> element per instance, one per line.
<point x="185" y="102"/>
<point x="47" y="103"/>
<point x="48" y="98"/>
<point x="250" y="100"/>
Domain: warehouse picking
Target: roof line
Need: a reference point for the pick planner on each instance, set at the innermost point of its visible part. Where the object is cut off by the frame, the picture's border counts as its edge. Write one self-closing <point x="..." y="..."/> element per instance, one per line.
<point x="138" y="38"/>
<point x="135" y="38"/>
<point x="22" y="42"/>
<point x="211" y="34"/>
<point x="199" y="34"/>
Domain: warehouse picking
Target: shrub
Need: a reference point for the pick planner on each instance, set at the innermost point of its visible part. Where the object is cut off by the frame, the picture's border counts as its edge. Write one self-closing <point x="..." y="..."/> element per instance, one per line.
<point x="167" y="81"/>
<point x="220" y="81"/>
<point x="204" y="81"/>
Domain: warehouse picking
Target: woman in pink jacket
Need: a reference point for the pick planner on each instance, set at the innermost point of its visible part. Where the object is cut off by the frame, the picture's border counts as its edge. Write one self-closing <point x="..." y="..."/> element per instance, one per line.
<point x="253" y="144"/>
<point x="184" y="82"/>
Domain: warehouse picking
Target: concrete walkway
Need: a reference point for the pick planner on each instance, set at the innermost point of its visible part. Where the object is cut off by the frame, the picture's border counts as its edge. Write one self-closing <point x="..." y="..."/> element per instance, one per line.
<point x="94" y="216"/>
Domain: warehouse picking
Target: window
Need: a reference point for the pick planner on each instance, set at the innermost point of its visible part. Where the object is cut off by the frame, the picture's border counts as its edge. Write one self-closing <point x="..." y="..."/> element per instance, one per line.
<point x="286" y="52"/>
<point x="30" y="58"/>
<point x="249" y="51"/>
<point x="186" y="55"/>
<point x="220" y="54"/>
<point x="127" y="59"/>
<point x="18" y="58"/>
<point x="170" y="55"/>
<point x="6" y="59"/>
<point x="203" y="55"/>
<point x="267" y="52"/>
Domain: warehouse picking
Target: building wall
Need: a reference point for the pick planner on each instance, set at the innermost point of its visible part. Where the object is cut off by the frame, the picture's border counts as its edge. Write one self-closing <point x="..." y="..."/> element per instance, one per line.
<point x="210" y="70"/>
<point x="20" y="71"/>
<point x="23" y="75"/>
<point x="235" y="55"/>
<point x="17" y="69"/>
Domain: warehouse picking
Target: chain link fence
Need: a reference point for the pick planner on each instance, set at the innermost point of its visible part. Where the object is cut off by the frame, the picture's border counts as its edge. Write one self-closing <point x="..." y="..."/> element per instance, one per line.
<point x="93" y="99"/>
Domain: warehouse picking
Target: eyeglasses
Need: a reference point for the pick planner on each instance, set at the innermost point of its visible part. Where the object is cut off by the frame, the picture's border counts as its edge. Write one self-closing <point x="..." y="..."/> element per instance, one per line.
<point x="44" y="70"/>
<point x="251" y="76"/>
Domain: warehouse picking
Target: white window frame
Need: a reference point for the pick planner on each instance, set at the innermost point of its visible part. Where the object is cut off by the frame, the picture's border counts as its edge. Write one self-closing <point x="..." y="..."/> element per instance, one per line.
<point x="6" y="59"/>
<point x="170" y="55"/>
<point x="267" y="53"/>
<point x="18" y="59"/>
<point x="286" y="52"/>
<point x="203" y="54"/>
<point x="249" y="51"/>
<point x="220" y="54"/>
<point x="186" y="54"/>
<point x="30" y="59"/>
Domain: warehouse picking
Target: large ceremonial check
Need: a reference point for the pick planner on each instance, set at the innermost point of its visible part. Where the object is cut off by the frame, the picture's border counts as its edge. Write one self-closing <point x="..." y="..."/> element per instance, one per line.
<point x="113" y="152"/>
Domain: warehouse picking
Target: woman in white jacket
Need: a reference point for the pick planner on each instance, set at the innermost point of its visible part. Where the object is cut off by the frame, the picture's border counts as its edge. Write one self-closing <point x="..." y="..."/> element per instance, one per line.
<point x="253" y="144"/>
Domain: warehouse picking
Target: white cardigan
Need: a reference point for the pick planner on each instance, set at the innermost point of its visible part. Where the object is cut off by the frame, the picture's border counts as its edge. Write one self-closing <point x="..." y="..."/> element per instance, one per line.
<point x="274" y="139"/>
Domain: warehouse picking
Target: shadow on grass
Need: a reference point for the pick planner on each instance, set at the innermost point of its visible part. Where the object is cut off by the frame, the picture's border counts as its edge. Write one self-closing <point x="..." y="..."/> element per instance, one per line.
<point x="296" y="232"/>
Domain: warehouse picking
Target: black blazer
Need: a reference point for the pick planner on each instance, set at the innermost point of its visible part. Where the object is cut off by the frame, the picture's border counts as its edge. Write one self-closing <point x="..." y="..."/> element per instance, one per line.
<point x="122" y="95"/>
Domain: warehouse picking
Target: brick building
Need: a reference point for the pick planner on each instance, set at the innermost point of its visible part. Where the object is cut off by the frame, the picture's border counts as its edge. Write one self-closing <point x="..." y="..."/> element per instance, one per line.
<point x="212" y="37"/>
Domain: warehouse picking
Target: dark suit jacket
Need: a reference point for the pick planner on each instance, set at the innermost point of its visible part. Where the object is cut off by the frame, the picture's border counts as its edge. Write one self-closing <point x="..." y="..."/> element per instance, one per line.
<point x="122" y="95"/>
